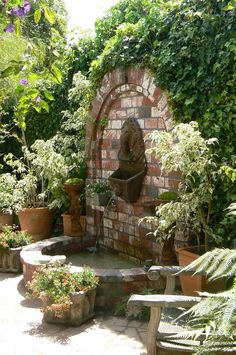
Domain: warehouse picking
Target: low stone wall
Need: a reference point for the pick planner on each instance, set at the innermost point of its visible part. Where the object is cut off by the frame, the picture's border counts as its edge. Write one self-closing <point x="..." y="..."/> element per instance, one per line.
<point x="113" y="283"/>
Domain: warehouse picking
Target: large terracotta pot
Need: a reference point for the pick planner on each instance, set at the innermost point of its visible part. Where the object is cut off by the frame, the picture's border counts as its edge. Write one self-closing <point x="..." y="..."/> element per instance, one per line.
<point x="6" y="219"/>
<point x="37" y="221"/>
<point x="191" y="285"/>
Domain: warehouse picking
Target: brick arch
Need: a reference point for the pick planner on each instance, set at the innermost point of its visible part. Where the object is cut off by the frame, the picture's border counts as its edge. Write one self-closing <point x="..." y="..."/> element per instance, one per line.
<point x="120" y="81"/>
<point x="116" y="84"/>
<point x="127" y="93"/>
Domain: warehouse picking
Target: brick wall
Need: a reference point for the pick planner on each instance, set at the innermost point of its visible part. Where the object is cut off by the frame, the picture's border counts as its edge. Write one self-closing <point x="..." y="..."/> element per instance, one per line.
<point x="123" y="94"/>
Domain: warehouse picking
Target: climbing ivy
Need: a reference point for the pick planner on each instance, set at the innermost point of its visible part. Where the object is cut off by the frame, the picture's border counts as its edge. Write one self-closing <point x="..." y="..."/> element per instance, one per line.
<point x="189" y="47"/>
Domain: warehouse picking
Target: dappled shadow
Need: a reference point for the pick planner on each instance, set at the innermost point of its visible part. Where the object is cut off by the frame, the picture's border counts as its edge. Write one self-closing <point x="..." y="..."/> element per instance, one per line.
<point x="27" y="302"/>
<point x="6" y="275"/>
<point x="57" y="333"/>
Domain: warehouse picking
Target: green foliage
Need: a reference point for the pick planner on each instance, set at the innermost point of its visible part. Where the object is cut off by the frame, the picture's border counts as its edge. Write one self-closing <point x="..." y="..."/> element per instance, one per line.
<point x="38" y="62"/>
<point x="70" y="139"/>
<point x="54" y="283"/>
<point x="141" y="315"/>
<point x="98" y="187"/>
<point x="10" y="196"/>
<point x="189" y="47"/>
<point x="168" y="195"/>
<point x="13" y="239"/>
<point x="41" y="174"/>
<point x="185" y="150"/>
<point x="74" y="181"/>
<point x="215" y="315"/>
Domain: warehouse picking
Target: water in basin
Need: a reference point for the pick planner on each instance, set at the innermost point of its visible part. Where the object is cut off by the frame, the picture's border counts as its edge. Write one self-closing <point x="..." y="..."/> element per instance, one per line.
<point x="100" y="260"/>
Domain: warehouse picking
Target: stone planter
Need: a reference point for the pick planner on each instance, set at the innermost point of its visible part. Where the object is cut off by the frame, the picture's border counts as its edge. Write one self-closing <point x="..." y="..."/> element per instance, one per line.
<point x="72" y="227"/>
<point x="10" y="260"/>
<point x="6" y="219"/>
<point x="80" y="310"/>
<point x="38" y="222"/>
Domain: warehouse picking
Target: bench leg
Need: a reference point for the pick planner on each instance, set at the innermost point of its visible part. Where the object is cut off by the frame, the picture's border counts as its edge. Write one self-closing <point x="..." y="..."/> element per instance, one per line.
<point x="153" y="325"/>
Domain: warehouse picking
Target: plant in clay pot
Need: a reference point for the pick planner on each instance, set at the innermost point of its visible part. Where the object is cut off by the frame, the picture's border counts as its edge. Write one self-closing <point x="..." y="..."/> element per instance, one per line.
<point x="40" y="174"/>
<point x="100" y="191"/>
<point x="11" y="243"/>
<point x="10" y="198"/>
<point x="67" y="297"/>
<point x="184" y="150"/>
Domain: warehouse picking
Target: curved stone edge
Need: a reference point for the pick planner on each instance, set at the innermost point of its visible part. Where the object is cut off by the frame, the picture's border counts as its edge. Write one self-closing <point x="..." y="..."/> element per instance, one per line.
<point x="32" y="258"/>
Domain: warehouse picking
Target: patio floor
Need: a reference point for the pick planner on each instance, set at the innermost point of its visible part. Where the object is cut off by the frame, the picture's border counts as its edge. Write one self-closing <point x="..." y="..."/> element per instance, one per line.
<point x="23" y="332"/>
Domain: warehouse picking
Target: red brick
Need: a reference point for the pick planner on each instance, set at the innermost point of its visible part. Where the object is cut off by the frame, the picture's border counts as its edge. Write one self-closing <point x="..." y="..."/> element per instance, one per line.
<point x="154" y="170"/>
<point x="151" y="123"/>
<point x="138" y="210"/>
<point x="123" y="238"/>
<point x="109" y="164"/>
<point x="135" y="75"/>
<point x="174" y="184"/>
<point x="116" y="104"/>
<point x="145" y="243"/>
<point x="147" y="101"/>
<point x="157" y="93"/>
<point x="106" y="143"/>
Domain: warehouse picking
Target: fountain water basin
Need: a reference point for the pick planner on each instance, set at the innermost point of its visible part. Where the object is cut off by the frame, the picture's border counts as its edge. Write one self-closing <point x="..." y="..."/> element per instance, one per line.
<point x="117" y="276"/>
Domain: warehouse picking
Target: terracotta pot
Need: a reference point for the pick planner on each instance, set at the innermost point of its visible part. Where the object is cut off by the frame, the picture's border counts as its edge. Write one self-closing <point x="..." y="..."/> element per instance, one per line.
<point x="193" y="284"/>
<point x="6" y="219"/>
<point x="71" y="227"/>
<point x="37" y="221"/>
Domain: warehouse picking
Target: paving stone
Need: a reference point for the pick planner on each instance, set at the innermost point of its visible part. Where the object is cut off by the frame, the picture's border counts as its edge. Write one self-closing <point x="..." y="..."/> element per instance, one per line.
<point x="22" y="331"/>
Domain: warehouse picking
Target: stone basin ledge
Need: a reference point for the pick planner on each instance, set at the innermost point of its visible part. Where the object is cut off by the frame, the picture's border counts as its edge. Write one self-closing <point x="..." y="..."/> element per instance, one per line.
<point x="113" y="283"/>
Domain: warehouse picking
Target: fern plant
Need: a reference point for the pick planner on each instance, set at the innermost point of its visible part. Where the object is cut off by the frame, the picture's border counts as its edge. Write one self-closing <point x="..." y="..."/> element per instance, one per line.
<point x="215" y="315"/>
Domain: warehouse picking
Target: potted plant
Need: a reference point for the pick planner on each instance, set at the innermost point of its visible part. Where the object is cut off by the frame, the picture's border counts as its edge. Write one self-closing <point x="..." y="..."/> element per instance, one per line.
<point x="11" y="243"/>
<point x="72" y="220"/>
<point x="68" y="297"/>
<point x="101" y="192"/>
<point x="40" y="175"/>
<point x="184" y="150"/>
<point x="10" y="198"/>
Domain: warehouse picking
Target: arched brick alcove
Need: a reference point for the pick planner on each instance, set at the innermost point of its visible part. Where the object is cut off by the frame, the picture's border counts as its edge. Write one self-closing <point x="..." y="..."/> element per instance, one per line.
<point x="123" y="94"/>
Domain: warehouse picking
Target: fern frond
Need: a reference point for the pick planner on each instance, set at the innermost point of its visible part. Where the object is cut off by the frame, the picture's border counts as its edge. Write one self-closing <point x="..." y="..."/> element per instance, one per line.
<point x="228" y="260"/>
<point x="229" y="317"/>
<point x="216" y="264"/>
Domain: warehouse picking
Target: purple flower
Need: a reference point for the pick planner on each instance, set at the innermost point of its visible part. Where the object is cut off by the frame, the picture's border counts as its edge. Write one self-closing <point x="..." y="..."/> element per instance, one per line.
<point x="38" y="99"/>
<point x="10" y="28"/>
<point x="4" y="1"/>
<point x="12" y="11"/>
<point x="20" y="11"/>
<point x="23" y="82"/>
<point x="26" y="6"/>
